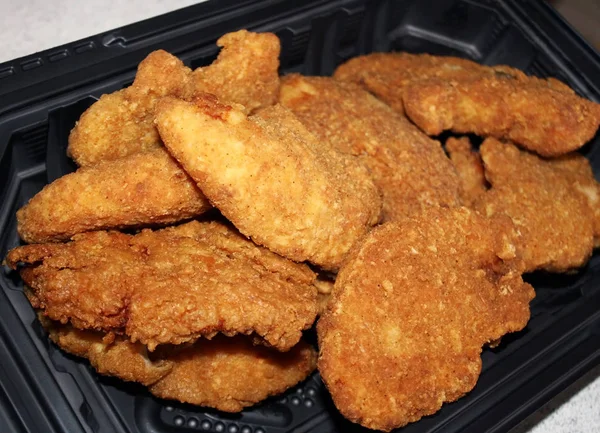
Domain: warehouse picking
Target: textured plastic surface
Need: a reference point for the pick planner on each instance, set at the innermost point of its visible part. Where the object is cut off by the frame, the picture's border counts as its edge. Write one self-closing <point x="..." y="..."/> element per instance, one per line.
<point x="43" y="389"/>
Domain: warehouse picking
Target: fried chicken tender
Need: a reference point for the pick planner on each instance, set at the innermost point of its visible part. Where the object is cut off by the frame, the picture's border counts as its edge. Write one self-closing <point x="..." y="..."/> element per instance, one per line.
<point x="231" y="373"/>
<point x="579" y="172"/>
<point x="171" y="286"/>
<point x="271" y="178"/>
<point x="122" y="123"/>
<point x="87" y="282"/>
<point x="546" y="200"/>
<point x="531" y="113"/>
<point x="249" y="289"/>
<point x="225" y="373"/>
<point x="120" y="358"/>
<point x="411" y="310"/>
<point x="246" y="71"/>
<point x="469" y="166"/>
<point x="386" y="75"/>
<point x="411" y="170"/>
<point x="441" y="93"/>
<point x="137" y="190"/>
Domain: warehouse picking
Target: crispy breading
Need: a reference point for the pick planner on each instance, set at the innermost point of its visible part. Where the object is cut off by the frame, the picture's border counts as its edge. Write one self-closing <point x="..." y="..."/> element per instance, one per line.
<point x="324" y="284"/>
<point x="411" y="310"/>
<point x="579" y="172"/>
<point x="440" y="93"/>
<point x="410" y="169"/>
<point x="226" y="373"/>
<point x="246" y="71"/>
<point x="120" y="358"/>
<point x="87" y="282"/>
<point x="238" y="287"/>
<point x="272" y="178"/>
<point x="469" y="167"/>
<point x="122" y="123"/>
<point x="136" y="190"/>
<point x="231" y="373"/>
<point x="543" y="199"/>
<point x="322" y="302"/>
<point x="386" y="75"/>
<point x="529" y="112"/>
<point x="171" y="286"/>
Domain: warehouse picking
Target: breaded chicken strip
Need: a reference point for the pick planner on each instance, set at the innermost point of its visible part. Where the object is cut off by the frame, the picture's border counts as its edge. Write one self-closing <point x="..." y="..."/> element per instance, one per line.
<point x="441" y="93"/>
<point x="411" y="310"/>
<point x="529" y="112"/>
<point x="386" y="75"/>
<point x="231" y="373"/>
<point x="246" y="71"/>
<point x="87" y="282"/>
<point x="224" y="373"/>
<point x="411" y="170"/>
<point x="121" y="123"/>
<point x="171" y="286"/>
<point x="137" y="190"/>
<point x="270" y="177"/>
<point x="469" y="166"/>
<point x="579" y="172"/>
<point x="228" y="285"/>
<point x="109" y="356"/>
<point x="545" y="198"/>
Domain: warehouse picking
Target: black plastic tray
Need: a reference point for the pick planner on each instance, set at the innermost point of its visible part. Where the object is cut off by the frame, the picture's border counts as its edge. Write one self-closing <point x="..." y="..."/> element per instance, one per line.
<point x="44" y="390"/>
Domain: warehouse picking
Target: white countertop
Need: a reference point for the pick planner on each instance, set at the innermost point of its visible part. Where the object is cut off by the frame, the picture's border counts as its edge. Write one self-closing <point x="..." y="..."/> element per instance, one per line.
<point x="27" y="26"/>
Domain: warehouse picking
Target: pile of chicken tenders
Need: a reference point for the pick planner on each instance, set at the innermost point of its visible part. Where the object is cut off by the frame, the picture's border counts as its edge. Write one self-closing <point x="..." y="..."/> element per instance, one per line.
<point x="218" y="213"/>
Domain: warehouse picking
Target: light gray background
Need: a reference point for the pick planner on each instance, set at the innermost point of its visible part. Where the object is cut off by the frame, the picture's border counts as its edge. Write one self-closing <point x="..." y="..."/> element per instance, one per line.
<point x="28" y="26"/>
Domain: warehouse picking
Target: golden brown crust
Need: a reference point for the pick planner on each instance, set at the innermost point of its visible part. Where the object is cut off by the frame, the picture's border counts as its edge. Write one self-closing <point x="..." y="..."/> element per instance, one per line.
<point x="246" y="71"/>
<point x="272" y="178"/>
<point x="120" y="358"/>
<point x="324" y="284"/>
<point x="87" y="282"/>
<point x="411" y="311"/>
<point x="387" y="74"/>
<point x="530" y="112"/>
<point x="122" y="123"/>
<point x="141" y="189"/>
<point x="231" y="373"/>
<point x="230" y="286"/>
<point x="225" y="373"/>
<point x="542" y="198"/>
<point x="469" y="166"/>
<point x="440" y="93"/>
<point x="171" y="286"/>
<point x="578" y="171"/>
<point x="411" y="170"/>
